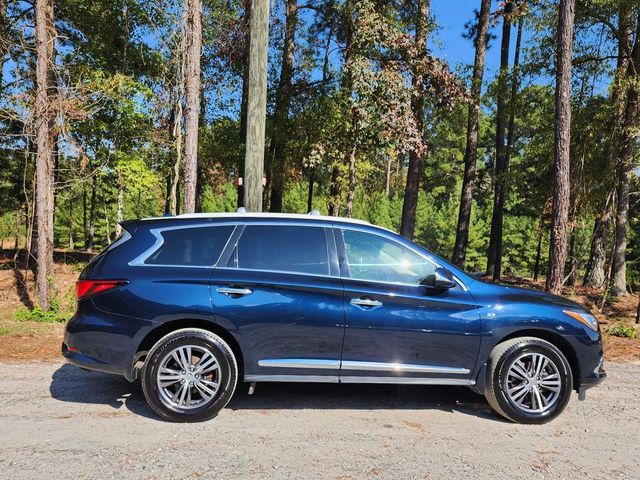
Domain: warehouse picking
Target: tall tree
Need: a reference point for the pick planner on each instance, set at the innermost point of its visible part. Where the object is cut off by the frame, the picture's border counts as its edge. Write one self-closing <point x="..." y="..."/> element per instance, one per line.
<point x="624" y="165"/>
<point x="192" y="102"/>
<point x="595" y="273"/>
<point x="495" y="239"/>
<point x="257" y="105"/>
<point x="471" y="150"/>
<point x="346" y="87"/>
<point x="414" y="172"/>
<point x="44" y="170"/>
<point x="281" y="115"/>
<point x="561" y="178"/>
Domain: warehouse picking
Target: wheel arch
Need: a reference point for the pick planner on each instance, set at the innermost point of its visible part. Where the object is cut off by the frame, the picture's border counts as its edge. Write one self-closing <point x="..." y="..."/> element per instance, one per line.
<point x="166" y="328"/>
<point x="556" y="340"/>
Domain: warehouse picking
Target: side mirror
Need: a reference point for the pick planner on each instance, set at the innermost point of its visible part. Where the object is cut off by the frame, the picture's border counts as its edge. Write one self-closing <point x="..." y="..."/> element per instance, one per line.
<point x="441" y="279"/>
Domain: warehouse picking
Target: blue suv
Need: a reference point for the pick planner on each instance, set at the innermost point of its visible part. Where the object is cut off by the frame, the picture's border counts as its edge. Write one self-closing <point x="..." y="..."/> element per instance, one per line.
<point x="192" y="304"/>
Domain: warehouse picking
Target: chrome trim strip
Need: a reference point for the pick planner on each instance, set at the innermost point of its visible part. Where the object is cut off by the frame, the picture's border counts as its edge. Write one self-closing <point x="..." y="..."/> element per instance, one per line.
<point x="408" y="380"/>
<point x="292" y="378"/>
<point x="401" y="368"/>
<point x="300" y="363"/>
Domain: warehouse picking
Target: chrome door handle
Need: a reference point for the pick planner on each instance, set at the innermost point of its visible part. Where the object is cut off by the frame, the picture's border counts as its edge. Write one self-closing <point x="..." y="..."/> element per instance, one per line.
<point x="234" y="291"/>
<point x="366" y="302"/>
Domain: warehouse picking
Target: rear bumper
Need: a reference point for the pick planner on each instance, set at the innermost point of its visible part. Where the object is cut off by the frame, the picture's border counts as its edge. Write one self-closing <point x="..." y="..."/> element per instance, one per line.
<point x="103" y="341"/>
<point x="83" y="361"/>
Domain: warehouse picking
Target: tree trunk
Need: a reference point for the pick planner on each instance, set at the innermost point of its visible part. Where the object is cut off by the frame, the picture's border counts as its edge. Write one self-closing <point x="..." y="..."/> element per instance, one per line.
<point x="120" y="212"/>
<point x="346" y="86"/>
<point x="45" y="36"/>
<point x="561" y="189"/>
<point x="414" y="172"/>
<point x="4" y="34"/>
<point x="624" y="166"/>
<point x="244" y="102"/>
<point x="310" y="192"/>
<point x="573" y="264"/>
<point x="638" y="312"/>
<point x="257" y="105"/>
<point x="192" y="102"/>
<point x="471" y="151"/>
<point x="495" y="239"/>
<point x="536" y="267"/>
<point x="281" y="114"/>
<point x="351" y="191"/>
<point x="92" y="215"/>
<point x="595" y="272"/>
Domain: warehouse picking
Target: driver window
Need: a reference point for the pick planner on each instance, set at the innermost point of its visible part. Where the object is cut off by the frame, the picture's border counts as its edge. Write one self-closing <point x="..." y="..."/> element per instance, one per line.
<point x="376" y="259"/>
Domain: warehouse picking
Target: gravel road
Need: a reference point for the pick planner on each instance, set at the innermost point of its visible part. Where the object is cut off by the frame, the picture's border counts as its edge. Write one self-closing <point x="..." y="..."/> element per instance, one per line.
<point x="57" y="421"/>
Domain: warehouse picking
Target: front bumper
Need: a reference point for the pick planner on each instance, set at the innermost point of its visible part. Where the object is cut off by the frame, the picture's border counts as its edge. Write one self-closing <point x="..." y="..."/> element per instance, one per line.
<point x="592" y="379"/>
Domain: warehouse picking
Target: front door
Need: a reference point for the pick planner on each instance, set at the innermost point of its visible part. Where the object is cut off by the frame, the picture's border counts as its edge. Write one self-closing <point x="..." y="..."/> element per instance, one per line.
<point x="398" y="330"/>
<point x="280" y="294"/>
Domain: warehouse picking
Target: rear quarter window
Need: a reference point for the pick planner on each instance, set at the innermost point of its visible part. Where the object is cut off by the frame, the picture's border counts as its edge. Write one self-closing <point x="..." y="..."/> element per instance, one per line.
<point x="191" y="246"/>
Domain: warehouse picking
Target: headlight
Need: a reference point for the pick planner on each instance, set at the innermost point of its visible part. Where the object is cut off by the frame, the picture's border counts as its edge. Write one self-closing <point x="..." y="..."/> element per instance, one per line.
<point x="584" y="318"/>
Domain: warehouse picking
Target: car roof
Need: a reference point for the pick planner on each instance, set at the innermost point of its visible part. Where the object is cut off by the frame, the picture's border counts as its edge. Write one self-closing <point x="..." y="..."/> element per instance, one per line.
<point x="259" y="215"/>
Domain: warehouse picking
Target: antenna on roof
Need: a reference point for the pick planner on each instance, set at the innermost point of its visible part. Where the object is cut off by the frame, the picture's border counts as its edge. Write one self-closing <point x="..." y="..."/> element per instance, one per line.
<point x="241" y="210"/>
<point x="314" y="212"/>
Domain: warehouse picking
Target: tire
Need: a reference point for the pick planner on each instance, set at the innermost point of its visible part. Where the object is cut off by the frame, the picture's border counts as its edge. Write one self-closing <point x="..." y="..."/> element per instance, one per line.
<point x="191" y="389"/>
<point x="511" y="387"/>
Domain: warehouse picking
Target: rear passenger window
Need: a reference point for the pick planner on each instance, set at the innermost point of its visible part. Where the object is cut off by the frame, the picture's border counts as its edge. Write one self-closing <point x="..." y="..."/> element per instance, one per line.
<point x="197" y="247"/>
<point x="294" y="249"/>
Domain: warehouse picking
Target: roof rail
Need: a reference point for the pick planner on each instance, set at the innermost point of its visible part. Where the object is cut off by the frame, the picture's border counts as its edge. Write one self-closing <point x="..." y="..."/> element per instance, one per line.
<point x="315" y="212"/>
<point x="241" y="210"/>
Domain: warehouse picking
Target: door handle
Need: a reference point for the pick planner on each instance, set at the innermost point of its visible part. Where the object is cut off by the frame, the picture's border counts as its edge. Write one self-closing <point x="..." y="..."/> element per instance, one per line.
<point x="234" y="291"/>
<point x="366" y="302"/>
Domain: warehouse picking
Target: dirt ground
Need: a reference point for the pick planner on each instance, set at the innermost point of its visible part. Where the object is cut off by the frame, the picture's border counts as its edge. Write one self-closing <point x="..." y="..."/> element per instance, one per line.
<point x="58" y="421"/>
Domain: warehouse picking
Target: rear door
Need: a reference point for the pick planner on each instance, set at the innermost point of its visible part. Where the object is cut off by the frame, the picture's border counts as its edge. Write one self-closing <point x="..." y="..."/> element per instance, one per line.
<point x="278" y="290"/>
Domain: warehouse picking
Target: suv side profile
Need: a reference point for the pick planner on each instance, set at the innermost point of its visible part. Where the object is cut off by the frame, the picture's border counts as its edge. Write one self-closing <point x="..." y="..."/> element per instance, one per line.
<point x="192" y="304"/>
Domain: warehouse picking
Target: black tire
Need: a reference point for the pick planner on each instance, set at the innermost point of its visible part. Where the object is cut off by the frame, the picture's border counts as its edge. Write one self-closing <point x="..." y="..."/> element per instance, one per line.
<point x="504" y="355"/>
<point x="227" y="375"/>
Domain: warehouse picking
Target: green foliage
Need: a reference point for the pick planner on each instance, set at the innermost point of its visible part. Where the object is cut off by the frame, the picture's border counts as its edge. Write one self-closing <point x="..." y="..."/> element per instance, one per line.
<point x="626" y="331"/>
<point x="36" y="314"/>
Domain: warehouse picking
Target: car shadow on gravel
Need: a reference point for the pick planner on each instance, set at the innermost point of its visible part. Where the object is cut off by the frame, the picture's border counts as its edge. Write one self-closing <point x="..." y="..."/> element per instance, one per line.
<point x="72" y="384"/>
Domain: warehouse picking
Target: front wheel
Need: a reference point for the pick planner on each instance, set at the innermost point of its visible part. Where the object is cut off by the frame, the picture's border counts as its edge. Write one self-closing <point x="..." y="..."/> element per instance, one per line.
<point x="529" y="380"/>
<point x="189" y="375"/>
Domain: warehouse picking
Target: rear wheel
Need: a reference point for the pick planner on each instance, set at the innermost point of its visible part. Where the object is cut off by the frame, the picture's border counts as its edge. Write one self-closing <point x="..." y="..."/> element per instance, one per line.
<point x="189" y="375"/>
<point x="529" y="381"/>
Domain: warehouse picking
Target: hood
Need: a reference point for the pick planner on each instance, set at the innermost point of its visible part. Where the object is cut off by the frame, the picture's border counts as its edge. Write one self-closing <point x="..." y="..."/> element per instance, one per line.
<point x="526" y="295"/>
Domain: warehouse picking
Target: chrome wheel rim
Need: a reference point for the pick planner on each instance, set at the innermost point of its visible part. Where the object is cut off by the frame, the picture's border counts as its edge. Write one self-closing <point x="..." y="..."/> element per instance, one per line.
<point x="533" y="383"/>
<point x="188" y="377"/>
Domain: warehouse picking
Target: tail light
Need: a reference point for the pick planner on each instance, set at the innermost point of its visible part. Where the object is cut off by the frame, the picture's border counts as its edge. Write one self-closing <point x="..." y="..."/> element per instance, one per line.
<point x="86" y="288"/>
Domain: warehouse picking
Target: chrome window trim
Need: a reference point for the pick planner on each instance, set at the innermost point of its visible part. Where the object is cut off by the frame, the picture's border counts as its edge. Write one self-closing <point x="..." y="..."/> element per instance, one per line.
<point x="401" y="368"/>
<point x="300" y="363"/>
<point x="238" y="223"/>
<point x="119" y="241"/>
<point x="157" y="233"/>
<point x="420" y="254"/>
